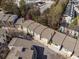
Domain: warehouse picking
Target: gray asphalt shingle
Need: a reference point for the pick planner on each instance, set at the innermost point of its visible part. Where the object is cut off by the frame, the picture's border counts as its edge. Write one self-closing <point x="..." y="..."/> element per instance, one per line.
<point x="58" y="38"/>
<point x="27" y="23"/>
<point x="69" y="43"/>
<point x="47" y="33"/>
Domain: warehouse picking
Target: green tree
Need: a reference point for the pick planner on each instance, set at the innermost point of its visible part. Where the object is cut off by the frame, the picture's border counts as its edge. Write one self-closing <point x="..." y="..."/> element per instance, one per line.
<point x="10" y="6"/>
<point x="56" y="13"/>
<point x="0" y="2"/>
<point x="22" y="7"/>
<point x="74" y="23"/>
<point x="34" y="13"/>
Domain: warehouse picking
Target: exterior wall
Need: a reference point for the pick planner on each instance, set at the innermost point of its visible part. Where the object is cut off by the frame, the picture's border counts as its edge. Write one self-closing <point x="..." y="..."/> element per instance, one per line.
<point x="19" y="28"/>
<point x="56" y="44"/>
<point x="46" y="6"/>
<point x="33" y="1"/>
<point x="24" y="29"/>
<point x="42" y="8"/>
<point x="44" y="40"/>
<point x="10" y="47"/>
<point x="71" y="32"/>
<point x="76" y="9"/>
<point x="36" y="36"/>
<point x="30" y="31"/>
<point x="66" y="52"/>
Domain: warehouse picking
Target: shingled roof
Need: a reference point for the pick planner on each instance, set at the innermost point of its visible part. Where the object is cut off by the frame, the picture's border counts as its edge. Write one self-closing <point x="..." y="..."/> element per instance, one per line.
<point x="18" y="44"/>
<point x="48" y="33"/>
<point x="69" y="43"/>
<point x="40" y="29"/>
<point x="27" y="23"/>
<point x="1" y="15"/>
<point x="12" y="18"/>
<point x="33" y="26"/>
<point x="58" y="38"/>
<point x="17" y="52"/>
<point x="6" y="17"/>
<point x="45" y="32"/>
<point x="19" y="21"/>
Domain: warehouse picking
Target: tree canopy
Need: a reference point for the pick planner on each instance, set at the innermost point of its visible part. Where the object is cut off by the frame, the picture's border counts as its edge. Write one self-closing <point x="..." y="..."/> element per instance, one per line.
<point x="56" y="13"/>
<point x="22" y="7"/>
<point x="10" y="6"/>
<point x="74" y="22"/>
<point x="50" y="18"/>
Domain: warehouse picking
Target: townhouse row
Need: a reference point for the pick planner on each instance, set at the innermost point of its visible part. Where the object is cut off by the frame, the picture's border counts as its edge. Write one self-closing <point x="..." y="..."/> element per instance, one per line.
<point x="50" y="36"/>
<point x="7" y="19"/>
<point x="45" y="34"/>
